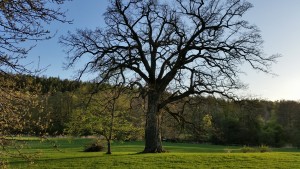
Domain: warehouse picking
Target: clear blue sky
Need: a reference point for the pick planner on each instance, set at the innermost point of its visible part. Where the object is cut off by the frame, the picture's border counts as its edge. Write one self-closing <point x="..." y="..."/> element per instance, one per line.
<point x="278" y="21"/>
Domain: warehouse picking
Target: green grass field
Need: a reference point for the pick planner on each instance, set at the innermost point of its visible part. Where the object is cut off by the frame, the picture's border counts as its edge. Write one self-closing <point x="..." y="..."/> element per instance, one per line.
<point x="70" y="155"/>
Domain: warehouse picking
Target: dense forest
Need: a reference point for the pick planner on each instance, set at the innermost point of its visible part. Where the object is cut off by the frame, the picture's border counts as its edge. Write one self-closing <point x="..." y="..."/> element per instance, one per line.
<point x="65" y="107"/>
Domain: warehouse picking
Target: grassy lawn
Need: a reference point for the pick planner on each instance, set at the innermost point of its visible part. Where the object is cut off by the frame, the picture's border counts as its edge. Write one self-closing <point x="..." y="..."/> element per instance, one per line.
<point x="180" y="155"/>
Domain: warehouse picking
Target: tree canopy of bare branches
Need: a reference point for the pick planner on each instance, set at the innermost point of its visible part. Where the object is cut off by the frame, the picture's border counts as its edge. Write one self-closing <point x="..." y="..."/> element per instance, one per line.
<point x="22" y="21"/>
<point x="183" y="47"/>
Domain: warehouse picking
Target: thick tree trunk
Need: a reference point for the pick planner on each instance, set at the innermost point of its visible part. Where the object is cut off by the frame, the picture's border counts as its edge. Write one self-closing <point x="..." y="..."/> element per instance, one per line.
<point x="108" y="147"/>
<point x="153" y="142"/>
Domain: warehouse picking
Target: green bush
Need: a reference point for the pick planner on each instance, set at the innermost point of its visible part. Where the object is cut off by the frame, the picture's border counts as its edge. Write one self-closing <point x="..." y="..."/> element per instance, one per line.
<point x="264" y="148"/>
<point x="247" y="149"/>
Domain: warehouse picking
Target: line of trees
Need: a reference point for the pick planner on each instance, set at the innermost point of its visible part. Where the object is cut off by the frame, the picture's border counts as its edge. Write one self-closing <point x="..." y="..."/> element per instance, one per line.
<point x="72" y="110"/>
<point x="246" y="122"/>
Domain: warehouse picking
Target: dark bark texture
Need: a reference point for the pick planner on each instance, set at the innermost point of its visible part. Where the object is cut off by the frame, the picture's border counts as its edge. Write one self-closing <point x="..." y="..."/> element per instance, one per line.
<point x="108" y="147"/>
<point x="153" y="124"/>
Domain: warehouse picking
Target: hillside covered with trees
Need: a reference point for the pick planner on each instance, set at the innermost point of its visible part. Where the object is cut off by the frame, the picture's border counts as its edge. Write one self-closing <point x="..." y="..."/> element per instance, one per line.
<point x="64" y="107"/>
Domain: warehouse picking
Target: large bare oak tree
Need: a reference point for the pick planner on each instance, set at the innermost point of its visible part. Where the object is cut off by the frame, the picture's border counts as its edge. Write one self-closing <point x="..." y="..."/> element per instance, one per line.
<point x="182" y="47"/>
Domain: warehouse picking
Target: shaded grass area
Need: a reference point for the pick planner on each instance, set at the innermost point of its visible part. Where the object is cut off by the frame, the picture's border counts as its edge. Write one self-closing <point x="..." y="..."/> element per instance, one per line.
<point x="70" y="155"/>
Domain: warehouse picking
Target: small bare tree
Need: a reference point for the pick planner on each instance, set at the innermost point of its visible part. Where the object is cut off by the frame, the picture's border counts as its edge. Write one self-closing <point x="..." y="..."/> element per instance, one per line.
<point x="111" y="96"/>
<point x="182" y="47"/>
